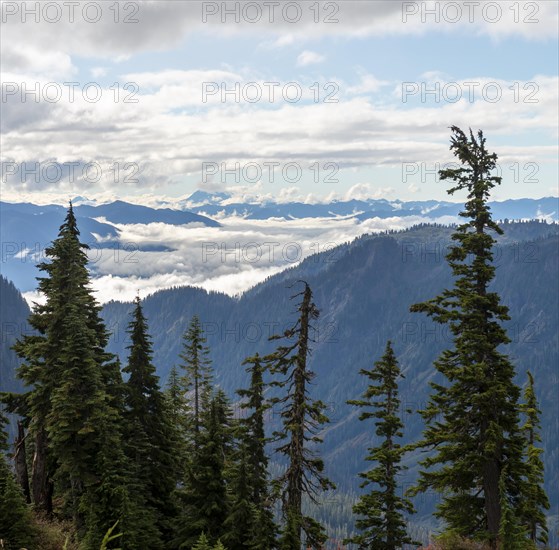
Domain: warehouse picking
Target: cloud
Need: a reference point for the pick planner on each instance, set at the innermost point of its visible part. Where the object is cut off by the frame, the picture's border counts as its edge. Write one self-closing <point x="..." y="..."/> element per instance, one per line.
<point x="230" y="259"/>
<point x="364" y="191"/>
<point x="368" y="84"/>
<point x="168" y="145"/>
<point x="309" y="58"/>
<point x="147" y="25"/>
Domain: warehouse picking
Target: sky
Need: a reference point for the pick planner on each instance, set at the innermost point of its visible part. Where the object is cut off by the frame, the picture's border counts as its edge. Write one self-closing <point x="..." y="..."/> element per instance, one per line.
<point x="298" y="100"/>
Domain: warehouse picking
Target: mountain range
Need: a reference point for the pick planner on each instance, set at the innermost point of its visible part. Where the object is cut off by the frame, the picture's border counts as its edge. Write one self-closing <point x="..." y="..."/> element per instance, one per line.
<point x="212" y="204"/>
<point x="27" y="229"/>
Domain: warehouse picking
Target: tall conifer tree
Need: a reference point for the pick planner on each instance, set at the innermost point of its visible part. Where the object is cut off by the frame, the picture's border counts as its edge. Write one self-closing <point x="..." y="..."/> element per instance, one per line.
<point x="252" y="471"/>
<point x="206" y="505"/>
<point x="535" y="500"/>
<point x="302" y="417"/>
<point x="197" y="367"/>
<point x="75" y="382"/>
<point x="149" y="435"/>
<point x="473" y="419"/>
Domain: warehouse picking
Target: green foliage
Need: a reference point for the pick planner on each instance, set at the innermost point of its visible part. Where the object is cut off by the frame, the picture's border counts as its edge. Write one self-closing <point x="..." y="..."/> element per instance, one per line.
<point x="381" y="510"/>
<point x="251" y="475"/>
<point x="202" y="543"/>
<point x="512" y="535"/>
<point x="240" y="522"/>
<point x="450" y="540"/>
<point x="535" y="501"/>
<point x="109" y="537"/>
<point x="197" y="367"/>
<point x="204" y="497"/>
<point x="473" y="422"/>
<point x="17" y="527"/>
<point x="74" y="401"/>
<point x="149" y="437"/>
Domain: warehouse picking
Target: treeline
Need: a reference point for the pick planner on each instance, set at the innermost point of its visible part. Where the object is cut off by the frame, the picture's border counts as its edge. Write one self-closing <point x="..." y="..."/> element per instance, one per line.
<point x="173" y="468"/>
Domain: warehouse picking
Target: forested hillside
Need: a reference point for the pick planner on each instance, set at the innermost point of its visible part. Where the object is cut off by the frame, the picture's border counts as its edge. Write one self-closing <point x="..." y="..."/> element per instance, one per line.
<point x="364" y="290"/>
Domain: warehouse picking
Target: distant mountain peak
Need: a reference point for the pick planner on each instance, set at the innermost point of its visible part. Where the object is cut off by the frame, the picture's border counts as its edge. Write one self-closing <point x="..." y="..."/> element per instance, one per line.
<point x="200" y="197"/>
<point x="79" y="200"/>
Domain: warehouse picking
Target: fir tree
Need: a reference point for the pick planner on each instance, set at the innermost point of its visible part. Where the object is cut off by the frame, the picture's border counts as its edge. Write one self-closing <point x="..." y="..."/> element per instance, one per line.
<point x="241" y="520"/>
<point x="74" y="381"/>
<point x="197" y="369"/>
<point x="253" y="439"/>
<point x="473" y="421"/>
<point x="149" y="435"/>
<point x="179" y="411"/>
<point x="205" y="493"/>
<point x="301" y="417"/>
<point x="535" y="499"/>
<point x="381" y="510"/>
<point x="511" y="534"/>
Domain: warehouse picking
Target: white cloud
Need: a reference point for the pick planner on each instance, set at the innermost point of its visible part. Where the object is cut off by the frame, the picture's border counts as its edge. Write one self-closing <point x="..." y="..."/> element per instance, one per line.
<point x="364" y="191"/>
<point x="309" y="58"/>
<point x="230" y="259"/>
<point x="368" y="84"/>
<point x="356" y="132"/>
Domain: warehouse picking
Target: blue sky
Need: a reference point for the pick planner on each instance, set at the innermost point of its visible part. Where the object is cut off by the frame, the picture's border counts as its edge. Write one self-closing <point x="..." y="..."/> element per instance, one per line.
<point x="371" y="137"/>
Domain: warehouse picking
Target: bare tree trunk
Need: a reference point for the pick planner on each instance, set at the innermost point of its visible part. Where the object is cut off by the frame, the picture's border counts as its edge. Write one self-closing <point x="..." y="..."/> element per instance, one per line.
<point x="20" y="459"/>
<point x="492" y="499"/>
<point x="39" y="481"/>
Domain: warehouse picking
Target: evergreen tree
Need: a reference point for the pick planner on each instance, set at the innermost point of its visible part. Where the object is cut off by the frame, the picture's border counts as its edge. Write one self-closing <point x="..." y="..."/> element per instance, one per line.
<point x="16" y="523"/>
<point x="179" y="412"/>
<point x="117" y="494"/>
<point x="74" y="381"/>
<point x="535" y="499"/>
<point x="301" y="417"/>
<point x="511" y="534"/>
<point x="197" y="368"/>
<point x="473" y="421"/>
<point x="241" y="520"/>
<point x="205" y="493"/>
<point x="202" y="543"/>
<point x="149" y="435"/>
<point x="381" y="509"/>
<point x="253" y="440"/>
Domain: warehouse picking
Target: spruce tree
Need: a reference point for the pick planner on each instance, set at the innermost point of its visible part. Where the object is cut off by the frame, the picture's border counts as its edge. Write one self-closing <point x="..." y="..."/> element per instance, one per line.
<point x="179" y="412"/>
<point x="302" y="418"/>
<point x="205" y="499"/>
<point x="253" y="439"/>
<point x="381" y="510"/>
<point x="197" y="367"/>
<point x="512" y="536"/>
<point x="473" y="419"/>
<point x="535" y="500"/>
<point x="117" y="494"/>
<point x="149" y="435"/>
<point x="241" y="520"/>
<point x="74" y="381"/>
